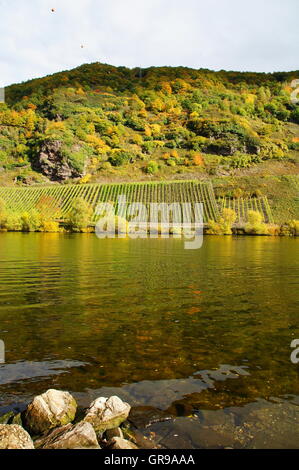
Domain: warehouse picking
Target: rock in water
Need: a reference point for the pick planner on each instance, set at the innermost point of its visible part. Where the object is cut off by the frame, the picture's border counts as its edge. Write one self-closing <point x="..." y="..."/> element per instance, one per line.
<point x="13" y="436"/>
<point x="107" y="413"/>
<point x="117" y="443"/>
<point x="79" y="436"/>
<point x="48" y="411"/>
<point x="115" y="432"/>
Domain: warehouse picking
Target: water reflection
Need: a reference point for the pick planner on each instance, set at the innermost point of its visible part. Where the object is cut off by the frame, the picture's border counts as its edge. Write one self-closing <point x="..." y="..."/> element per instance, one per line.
<point x="149" y="321"/>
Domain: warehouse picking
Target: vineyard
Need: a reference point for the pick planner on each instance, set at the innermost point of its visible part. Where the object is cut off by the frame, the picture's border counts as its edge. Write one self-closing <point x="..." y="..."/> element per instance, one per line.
<point x="242" y="205"/>
<point x="56" y="201"/>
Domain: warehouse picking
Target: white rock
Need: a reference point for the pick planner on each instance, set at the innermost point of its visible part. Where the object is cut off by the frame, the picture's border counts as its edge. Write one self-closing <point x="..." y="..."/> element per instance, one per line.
<point x="79" y="436"/>
<point x="107" y="413"/>
<point x="13" y="436"/>
<point x="50" y="410"/>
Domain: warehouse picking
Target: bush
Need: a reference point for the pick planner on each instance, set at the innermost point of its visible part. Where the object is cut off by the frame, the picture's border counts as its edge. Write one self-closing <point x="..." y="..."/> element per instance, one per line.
<point x="13" y="222"/>
<point x="50" y="226"/>
<point x="30" y="221"/>
<point x="80" y="215"/>
<point x="224" y="225"/>
<point x="294" y="227"/>
<point x="3" y="215"/>
<point x="255" y="225"/>
<point x="119" y="158"/>
<point x="152" y="168"/>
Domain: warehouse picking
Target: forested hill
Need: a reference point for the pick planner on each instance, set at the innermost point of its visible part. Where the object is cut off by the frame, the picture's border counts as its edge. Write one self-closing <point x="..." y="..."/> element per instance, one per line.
<point x="103" y="123"/>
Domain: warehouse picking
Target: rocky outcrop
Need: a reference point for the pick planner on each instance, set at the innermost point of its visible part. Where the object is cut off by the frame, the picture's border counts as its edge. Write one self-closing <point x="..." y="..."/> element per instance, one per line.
<point x="51" y="162"/>
<point x="107" y="413"/>
<point x="13" y="436"/>
<point x="48" y="411"/>
<point x="79" y="436"/>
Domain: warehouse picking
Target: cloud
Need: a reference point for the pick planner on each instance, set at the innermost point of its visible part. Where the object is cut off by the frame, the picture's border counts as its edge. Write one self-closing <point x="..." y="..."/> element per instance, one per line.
<point x="261" y="35"/>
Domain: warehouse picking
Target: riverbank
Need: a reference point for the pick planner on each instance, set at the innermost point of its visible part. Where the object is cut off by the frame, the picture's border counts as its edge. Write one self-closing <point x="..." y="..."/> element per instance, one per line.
<point x="53" y="421"/>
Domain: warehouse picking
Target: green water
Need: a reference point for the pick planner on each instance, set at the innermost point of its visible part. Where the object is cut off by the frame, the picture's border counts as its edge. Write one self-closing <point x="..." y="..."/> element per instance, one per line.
<point x="197" y="340"/>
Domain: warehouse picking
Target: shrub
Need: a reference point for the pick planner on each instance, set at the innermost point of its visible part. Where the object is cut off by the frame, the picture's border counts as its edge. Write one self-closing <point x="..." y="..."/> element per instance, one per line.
<point x="50" y="226"/>
<point x="13" y="222"/>
<point x="80" y="215"/>
<point x="152" y="168"/>
<point x="255" y="224"/>
<point x="115" y="224"/>
<point x="119" y="158"/>
<point x="3" y="215"/>
<point x="224" y="225"/>
<point x="30" y="221"/>
<point x="294" y="227"/>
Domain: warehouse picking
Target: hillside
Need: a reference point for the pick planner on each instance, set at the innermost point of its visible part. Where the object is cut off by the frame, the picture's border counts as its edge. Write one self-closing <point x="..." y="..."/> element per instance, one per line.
<point x="103" y="123"/>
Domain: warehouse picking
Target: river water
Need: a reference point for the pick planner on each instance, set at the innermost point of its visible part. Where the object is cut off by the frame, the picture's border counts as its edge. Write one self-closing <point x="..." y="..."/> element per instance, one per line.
<point x="197" y="341"/>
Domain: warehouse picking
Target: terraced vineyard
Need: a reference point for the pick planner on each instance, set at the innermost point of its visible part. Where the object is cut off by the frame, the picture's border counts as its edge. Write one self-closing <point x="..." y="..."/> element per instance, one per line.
<point x="242" y="205"/>
<point x="58" y="199"/>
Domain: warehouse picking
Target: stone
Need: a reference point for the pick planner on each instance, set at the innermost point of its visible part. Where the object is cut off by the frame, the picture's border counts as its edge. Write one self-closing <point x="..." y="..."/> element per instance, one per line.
<point x="107" y="413"/>
<point x="13" y="436"/>
<point x="78" y="436"/>
<point x="111" y="433"/>
<point x="117" y="443"/>
<point x="50" y="410"/>
<point x="51" y="162"/>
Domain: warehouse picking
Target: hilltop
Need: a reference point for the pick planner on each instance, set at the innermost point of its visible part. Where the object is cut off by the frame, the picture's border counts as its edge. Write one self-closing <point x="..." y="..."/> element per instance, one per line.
<point x="103" y="123"/>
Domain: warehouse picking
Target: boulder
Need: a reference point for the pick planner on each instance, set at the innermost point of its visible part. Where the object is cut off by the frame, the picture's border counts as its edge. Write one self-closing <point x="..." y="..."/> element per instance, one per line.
<point x="79" y="436"/>
<point x="107" y="413"/>
<point x="13" y="436"/>
<point x="117" y="443"/>
<point x="48" y="411"/>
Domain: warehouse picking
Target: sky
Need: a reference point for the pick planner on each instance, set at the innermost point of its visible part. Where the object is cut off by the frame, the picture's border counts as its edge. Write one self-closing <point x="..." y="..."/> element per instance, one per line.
<point x="256" y="35"/>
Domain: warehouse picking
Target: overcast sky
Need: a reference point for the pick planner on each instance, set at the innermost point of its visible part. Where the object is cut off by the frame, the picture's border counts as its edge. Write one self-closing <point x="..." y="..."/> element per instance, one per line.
<point x="255" y="35"/>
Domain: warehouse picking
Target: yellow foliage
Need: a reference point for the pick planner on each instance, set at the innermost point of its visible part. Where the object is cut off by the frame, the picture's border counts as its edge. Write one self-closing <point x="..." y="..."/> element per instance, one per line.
<point x="198" y="159"/>
<point x="225" y="223"/>
<point x="148" y="131"/>
<point x="250" y="98"/>
<point x="85" y="179"/>
<point x="256" y="224"/>
<point x="55" y="126"/>
<point x="50" y="226"/>
<point x="156" y="129"/>
<point x="174" y="154"/>
<point x="166" y="87"/>
<point x="80" y="91"/>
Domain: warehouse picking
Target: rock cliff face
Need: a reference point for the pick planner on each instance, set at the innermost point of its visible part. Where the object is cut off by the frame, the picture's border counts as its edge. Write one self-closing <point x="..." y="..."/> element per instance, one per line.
<point x="51" y="162"/>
